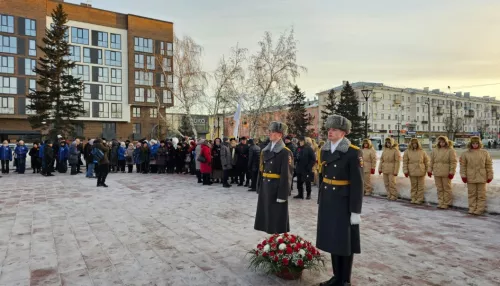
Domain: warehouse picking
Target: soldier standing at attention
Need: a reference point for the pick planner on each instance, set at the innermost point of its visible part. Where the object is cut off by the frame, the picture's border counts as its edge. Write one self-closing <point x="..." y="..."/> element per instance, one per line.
<point x="274" y="182"/>
<point x="340" y="199"/>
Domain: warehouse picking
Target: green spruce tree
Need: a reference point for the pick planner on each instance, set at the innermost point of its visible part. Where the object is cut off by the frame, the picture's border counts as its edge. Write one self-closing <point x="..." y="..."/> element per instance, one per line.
<point x="185" y="126"/>
<point x="58" y="100"/>
<point x="349" y="108"/>
<point x="298" y="120"/>
<point x="329" y="109"/>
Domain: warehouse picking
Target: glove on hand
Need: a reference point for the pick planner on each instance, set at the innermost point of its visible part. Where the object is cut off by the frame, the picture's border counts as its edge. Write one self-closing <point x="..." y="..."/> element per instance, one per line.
<point x="373" y="171"/>
<point x="406" y="175"/>
<point x="280" y="201"/>
<point x="355" y="219"/>
<point x="489" y="181"/>
<point x="450" y="176"/>
<point x="429" y="174"/>
<point x="464" y="180"/>
<point x="380" y="173"/>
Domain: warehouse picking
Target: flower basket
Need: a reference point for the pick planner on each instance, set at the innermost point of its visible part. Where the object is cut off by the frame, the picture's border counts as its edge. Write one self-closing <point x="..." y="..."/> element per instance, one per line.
<point x="286" y="256"/>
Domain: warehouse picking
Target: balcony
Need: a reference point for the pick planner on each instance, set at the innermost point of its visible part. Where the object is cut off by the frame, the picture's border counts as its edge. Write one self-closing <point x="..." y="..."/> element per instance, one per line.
<point x="469" y="113"/>
<point x="439" y="111"/>
<point x="397" y="100"/>
<point x="424" y="122"/>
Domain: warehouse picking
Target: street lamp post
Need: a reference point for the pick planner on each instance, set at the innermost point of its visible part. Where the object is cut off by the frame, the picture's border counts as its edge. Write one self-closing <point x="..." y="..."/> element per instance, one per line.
<point x="366" y="94"/>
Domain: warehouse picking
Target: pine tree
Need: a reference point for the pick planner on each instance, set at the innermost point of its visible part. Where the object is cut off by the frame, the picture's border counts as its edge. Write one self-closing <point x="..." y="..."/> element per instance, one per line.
<point x="349" y="108"/>
<point x="329" y="109"/>
<point x="58" y="100"/>
<point x="297" y="118"/>
<point x="185" y="126"/>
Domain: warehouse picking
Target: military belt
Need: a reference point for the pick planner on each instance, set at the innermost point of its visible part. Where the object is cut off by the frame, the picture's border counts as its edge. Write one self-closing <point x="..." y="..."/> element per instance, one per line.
<point x="271" y="176"/>
<point x="336" y="182"/>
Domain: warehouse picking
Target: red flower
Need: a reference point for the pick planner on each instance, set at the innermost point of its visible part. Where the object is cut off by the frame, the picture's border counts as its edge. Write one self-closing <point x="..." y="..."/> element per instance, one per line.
<point x="280" y="241"/>
<point x="257" y="252"/>
<point x="280" y="251"/>
<point x="285" y="261"/>
<point x="297" y="248"/>
<point x="264" y="242"/>
<point x="276" y="258"/>
<point x="272" y="253"/>
<point x="260" y="246"/>
<point x="273" y="246"/>
<point x="270" y="240"/>
<point x="317" y="253"/>
<point x="289" y="250"/>
<point x="292" y="240"/>
<point x="286" y="234"/>
<point x="264" y="254"/>
<point x="300" y="262"/>
<point x="309" y="256"/>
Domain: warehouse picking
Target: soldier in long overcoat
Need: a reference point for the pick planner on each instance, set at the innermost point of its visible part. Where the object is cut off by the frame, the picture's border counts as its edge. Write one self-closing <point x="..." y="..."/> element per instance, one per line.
<point x="340" y="199"/>
<point x="274" y="182"/>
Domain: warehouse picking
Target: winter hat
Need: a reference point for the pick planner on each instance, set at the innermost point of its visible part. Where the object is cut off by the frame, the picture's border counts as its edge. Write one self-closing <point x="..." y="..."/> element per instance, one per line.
<point x="122" y="144"/>
<point x="153" y="141"/>
<point x="250" y="141"/>
<point x="279" y="127"/>
<point x="338" y="122"/>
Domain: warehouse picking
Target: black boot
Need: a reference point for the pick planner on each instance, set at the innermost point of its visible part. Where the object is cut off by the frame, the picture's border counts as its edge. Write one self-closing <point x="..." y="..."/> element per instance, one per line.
<point x="346" y="269"/>
<point x="308" y="196"/>
<point x="335" y="267"/>
<point x="299" y="197"/>
<point x="226" y="185"/>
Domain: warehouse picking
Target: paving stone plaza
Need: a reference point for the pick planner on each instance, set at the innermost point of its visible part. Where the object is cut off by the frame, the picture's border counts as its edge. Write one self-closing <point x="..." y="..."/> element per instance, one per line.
<point x="169" y="230"/>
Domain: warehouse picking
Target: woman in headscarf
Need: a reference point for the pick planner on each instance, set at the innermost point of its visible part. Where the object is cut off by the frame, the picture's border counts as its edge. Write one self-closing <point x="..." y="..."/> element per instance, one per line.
<point x="216" y="161"/>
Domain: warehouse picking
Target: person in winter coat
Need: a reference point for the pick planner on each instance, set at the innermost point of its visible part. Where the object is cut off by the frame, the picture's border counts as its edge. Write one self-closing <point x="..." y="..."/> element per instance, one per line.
<point x="103" y="163"/>
<point x="74" y="155"/>
<point x="170" y="158"/>
<point x="5" y="156"/>
<point x="49" y="158"/>
<point x="145" y="157"/>
<point x="476" y="169"/>
<point x="216" y="161"/>
<point x="197" y="151"/>
<point x="180" y="157"/>
<point x="443" y="165"/>
<point x="121" y="157"/>
<point x="36" y="163"/>
<point x="113" y="156"/>
<point x="303" y="167"/>
<point x="21" y="153"/>
<point x="89" y="159"/>
<point x="161" y="157"/>
<point x="192" y="154"/>
<point x="226" y="162"/>
<point x="389" y="166"/>
<point x="234" y="161"/>
<point x="206" y="166"/>
<point x="138" y="157"/>
<point x="129" y="157"/>
<point x="369" y="165"/>
<point x="62" y="157"/>
<point x="415" y="164"/>
<point x="253" y="164"/>
<point x="41" y="154"/>
<point x="153" y="150"/>
<point x="242" y="161"/>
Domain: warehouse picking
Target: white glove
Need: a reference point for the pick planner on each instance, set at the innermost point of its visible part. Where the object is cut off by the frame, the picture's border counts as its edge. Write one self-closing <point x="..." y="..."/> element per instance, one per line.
<point x="280" y="201"/>
<point x="355" y="219"/>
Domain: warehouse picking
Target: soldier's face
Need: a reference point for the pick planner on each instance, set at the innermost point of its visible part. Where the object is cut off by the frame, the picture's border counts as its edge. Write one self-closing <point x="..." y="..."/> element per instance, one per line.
<point x="335" y="134"/>
<point x="442" y="143"/>
<point x="274" y="136"/>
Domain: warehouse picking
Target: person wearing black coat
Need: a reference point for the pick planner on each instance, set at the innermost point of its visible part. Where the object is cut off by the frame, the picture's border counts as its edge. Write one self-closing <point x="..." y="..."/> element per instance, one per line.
<point x="242" y="161"/>
<point x="303" y="167"/>
<point x="48" y="156"/>
<point x="253" y="164"/>
<point x="170" y="157"/>
<point x="87" y="154"/>
<point x="36" y="161"/>
<point x="161" y="157"/>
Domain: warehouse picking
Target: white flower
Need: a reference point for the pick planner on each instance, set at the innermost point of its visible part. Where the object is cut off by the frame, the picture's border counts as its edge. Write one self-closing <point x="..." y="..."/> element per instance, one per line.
<point x="302" y="242"/>
<point x="301" y="252"/>
<point x="266" y="248"/>
<point x="282" y="246"/>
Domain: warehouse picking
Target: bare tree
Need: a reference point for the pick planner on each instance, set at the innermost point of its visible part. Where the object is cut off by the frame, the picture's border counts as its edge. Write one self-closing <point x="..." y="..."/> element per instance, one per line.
<point x="452" y="125"/>
<point x="272" y="71"/>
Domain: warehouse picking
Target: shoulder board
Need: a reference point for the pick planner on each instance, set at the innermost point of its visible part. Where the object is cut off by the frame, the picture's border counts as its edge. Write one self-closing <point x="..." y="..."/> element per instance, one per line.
<point x="354" y="147"/>
<point x="286" y="148"/>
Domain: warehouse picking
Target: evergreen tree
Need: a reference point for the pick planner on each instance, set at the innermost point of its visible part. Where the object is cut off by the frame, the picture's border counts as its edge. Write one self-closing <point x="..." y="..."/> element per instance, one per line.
<point x="349" y="108"/>
<point x="185" y="127"/>
<point x="297" y="118"/>
<point x="329" y="109"/>
<point x="58" y="100"/>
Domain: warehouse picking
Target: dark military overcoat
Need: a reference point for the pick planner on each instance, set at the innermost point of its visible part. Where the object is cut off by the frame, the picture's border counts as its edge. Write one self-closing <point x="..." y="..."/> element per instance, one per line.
<point x="272" y="217"/>
<point x="339" y="198"/>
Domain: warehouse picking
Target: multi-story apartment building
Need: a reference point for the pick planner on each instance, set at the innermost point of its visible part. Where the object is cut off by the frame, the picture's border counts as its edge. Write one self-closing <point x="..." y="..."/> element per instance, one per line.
<point x="120" y="58"/>
<point x="412" y="111"/>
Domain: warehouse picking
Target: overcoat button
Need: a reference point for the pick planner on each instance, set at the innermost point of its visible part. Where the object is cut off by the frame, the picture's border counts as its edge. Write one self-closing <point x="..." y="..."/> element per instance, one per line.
<point x="334" y="177"/>
<point x="325" y="187"/>
<point x="334" y="165"/>
<point x="333" y="188"/>
<point x="269" y="180"/>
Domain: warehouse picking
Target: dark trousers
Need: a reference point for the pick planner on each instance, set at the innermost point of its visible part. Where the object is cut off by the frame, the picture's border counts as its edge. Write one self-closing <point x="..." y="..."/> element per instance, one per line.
<point x="342" y="268"/>
<point x="254" y="175"/>
<point x="21" y="165"/>
<point x="138" y="167"/>
<point x="161" y="169"/>
<point x="102" y="174"/>
<point x="145" y="167"/>
<point x="206" y="179"/>
<point x="199" y="176"/>
<point x="62" y="166"/>
<point x="130" y="168"/>
<point x="154" y="168"/>
<point x="5" y="166"/>
<point x="74" y="169"/>
<point x="225" y="177"/>
<point x="300" y="185"/>
<point x="121" y="165"/>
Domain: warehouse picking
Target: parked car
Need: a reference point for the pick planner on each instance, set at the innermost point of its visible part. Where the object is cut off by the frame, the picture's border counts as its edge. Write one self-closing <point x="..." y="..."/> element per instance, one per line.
<point x="403" y="147"/>
<point x="458" y="145"/>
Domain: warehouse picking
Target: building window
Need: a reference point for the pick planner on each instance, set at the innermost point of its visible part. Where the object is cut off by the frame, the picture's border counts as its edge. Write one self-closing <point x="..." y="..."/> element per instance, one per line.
<point x="113" y="93"/>
<point x="81" y="72"/>
<point x="389" y="117"/>
<point x="136" y="128"/>
<point x="170" y="81"/>
<point x="170" y="49"/>
<point x="86" y="91"/>
<point x="139" y="94"/>
<point x="103" y="110"/>
<point x="382" y="116"/>
<point x="74" y="53"/>
<point x="150" y="62"/>
<point x="162" y="80"/>
<point x="102" y="39"/>
<point x="32" y="86"/>
<point x="116" y="41"/>
<point x="28" y="110"/>
<point x="6" y="105"/>
<point x="167" y="64"/>
<point x="113" y="58"/>
<point x="166" y="49"/>
<point x="8" y="44"/>
<point x="382" y="126"/>
<point x="116" y="110"/>
<point x="102" y="75"/>
<point x="144" y="78"/>
<point x="136" y="112"/>
<point x="153" y="112"/>
<point x="167" y="96"/>
<point x="375" y="126"/>
<point x="6" y="64"/>
<point x="86" y="108"/>
<point x="29" y="67"/>
<point x="79" y="36"/>
<point x="30" y="27"/>
<point x="87" y="58"/>
<point x="32" y="48"/>
<point x="143" y="45"/>
<point x="116" y="76"/>
<point x="151" y="96"/>
<point x="8" y="85"/>
<point x="6" y="24"/>
<point x="139" y="61"/>
<point x="389" y="126"/>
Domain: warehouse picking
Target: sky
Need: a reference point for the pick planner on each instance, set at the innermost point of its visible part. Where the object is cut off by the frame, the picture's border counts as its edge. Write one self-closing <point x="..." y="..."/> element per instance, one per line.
<point x="424" y="43"/>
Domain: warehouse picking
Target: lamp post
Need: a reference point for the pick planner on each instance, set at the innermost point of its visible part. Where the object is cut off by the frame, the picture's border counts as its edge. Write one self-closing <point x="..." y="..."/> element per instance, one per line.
<point x="366" y="94"/>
